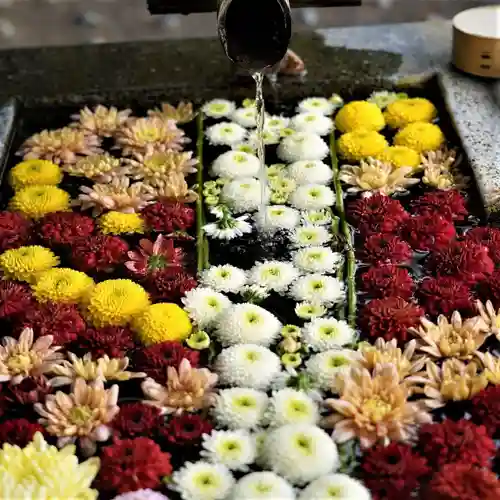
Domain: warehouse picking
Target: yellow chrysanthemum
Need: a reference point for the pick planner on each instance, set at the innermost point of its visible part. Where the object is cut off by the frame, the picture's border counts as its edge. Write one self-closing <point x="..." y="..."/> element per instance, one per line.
<point x="62" y="285"/>
<point x="162" y="322"/>
<point x="26" y="263"/>
<point x="405" y="111"/>
<point x="116" y="302"/>
<point x="119" y="223"/>
<point x="420" y="136"/>
<point x="400" y="156"/>
<point x="35" y="172"/>
<point x="37" y="201"/>
<point x="360" y="144"/>
<point x="43" y="472"/>
<point x="360" y="115"/>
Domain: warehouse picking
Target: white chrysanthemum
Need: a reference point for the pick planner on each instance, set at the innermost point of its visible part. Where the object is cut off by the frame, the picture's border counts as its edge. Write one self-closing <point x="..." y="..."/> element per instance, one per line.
<point x="204" y="305"/>
<point x="317" y="217"/>
<point x="327" y="368"/>
<point x="383" y="98"/>
<point x="247" y="365"/>
<point x="245" y="146"/>
<point x="336" y="486"/>
<point x="300" y="452"/>
<point x="312" y="197"/>
<point x="322" y="334"/>
<point x="240" y="408"/>
<point x="270" y="137"/>
<point x="317" y="259"/>
<point x="244" y="195"/>
<point x="144" y="494"/>
<point x="226" y="278"/>
<point x="318" y="289"/>
<point x="289" y="406"/>
<point x="309" y="310"/>
<point x="225" y="134"/>
<point x="228" y="228"/>
<point x="310" y="172"/>
<point x="316" y="105"/>
<point x="203" y="481"/>
<point x="236" y="164"/>
<point x="302" y="146"/>
<point x="306" y="236"/>
<point x="262" y="486"/>
<point x="218" y="108"/>
<point x="235" y="449"/>
<point x="274" y="275"/>
<point x="254" y="293"/>
<point x="247" y="324"/>
<point x="312" y="122"/>
<point x="246" y="117"/>
<point x="276" y="122"/>
<point x="277" y="217"/>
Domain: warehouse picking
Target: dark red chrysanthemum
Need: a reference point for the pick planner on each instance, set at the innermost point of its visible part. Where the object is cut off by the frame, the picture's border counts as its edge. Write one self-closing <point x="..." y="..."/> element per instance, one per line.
<point x="453" y="442"/>
<point x="465" y="260"/>
<point x="392" y="472"/>
<point x="489" y="289"/>
<point x="15" y="230"/>
<point x="186" y="430"/>
<point x="115" y="341"/>
<point x="170" y="284"/>
<point x="137" y="419"/>
<point x="485" y="409"/>
<point x="428" y="232"/>
<point x="448" y="204"/>
<point x="63" y="228"/>
<point x="387" y="281"/>
<point x="62" y="321"/>
<point x="376" y="214"/>
<point x="389" y="318"/>
<point x="168" y="216"/>
<point x="29" y="391"/>
<point x="155" y="359"/>
<point x="385" y="249"/>
<point x="445" y="295"/>
<point x="132" y="464"/>
<point x="463" y="481"/>
<point x="489" y="237"/>
<point x="99" y="253"/>
<point x="18" y="432"/>
<point x="14" y="298"/>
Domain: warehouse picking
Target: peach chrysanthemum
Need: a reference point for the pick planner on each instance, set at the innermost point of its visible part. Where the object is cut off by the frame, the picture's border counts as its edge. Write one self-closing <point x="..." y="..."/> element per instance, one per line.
<point x="101" y="168"/>
<point x="27" y="358"/>
<point x="491" y="365"/>
<point x="101" y="120"/>
<point x="173" y="187"/>
<point x="490" y="316"/>
<point x="183" y="113"/>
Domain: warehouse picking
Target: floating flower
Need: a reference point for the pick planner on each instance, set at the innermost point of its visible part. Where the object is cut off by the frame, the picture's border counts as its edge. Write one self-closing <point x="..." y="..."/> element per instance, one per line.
<point x="246" y="117"/>
<point x="137" y="419"/>
<point x="84" y="414"/>
<point x="199" y="340"/>
<point x="445" y="295"/>
<point x="225" y="278"/>
<point x="15" y="298"/>
<point x="245" y="147"/>
<point x="361" y="144"/>
<point x="339" y="485"/>
<point x="289" y="406"/>
<point x="187" y="389"/>
<point x="318" y="289"/>
<point x="312" y="122"/>
<point x="64" y="228"/>
<point x="170" y="284"/>
<point x="34" y="172"/>
<point x="484" y="409"/>
<point x="276" y="122"/>
<point x="218" y="108"/>
<point x="168" y="216"/>
<point x="26" y="263"/>
<point x="228" y="228"/>
<point x="236" y="164"/>
<point x="99" y="253"/>
<point x="144" y="494"/>
<point x="29" y="391"/>
<point x="234" y="449"/>
<point x="383" y="98"/>
<point x="400" y="156"/>
<point x="428" y="233"/>
<point x="205" y="305"/>
<point x="240" y="408"/>
<point x="116" y="302"/>
<point x="317" y="259"/>
<point x="302" y="146"/>
<point x="329" y="367"/>
<point x="437" y="178"/>
<point x="327" y="333"/>
<point x="181" y="114"/>
<point x="101" y="120"/>
<point x="316" y="105"/>
<point x="489" y="316"/>
<point x="359" y="115"/>
<point x="387" y="281"/>
<point x="449" y="204"/>
<point x="244" y="194"/>
<point x="186" y="430"/>
<point x="273" y="275"/>
<point x="300" y="453"/>
<point x="312" y="197"/>
<point x="15" y="230"/>
<point x="489" y="237"/>
<point x="60" y="146"/>
<point x="306" y="236"/>
<point x="102" y="167"/>
<point x="247" y="365"/>
<point x="310" y="172"/>
<point x="37" y="201"/>
<point x="420" y="136"/>
<point x="405" y="111"/>
<point x="381" y="249"/>
<point x="262" y="485"/>
<point x="375" y="176"/>
<point x="203" y="480"/>
<point x="269" y="136"/>
<point x="225" y="134"/>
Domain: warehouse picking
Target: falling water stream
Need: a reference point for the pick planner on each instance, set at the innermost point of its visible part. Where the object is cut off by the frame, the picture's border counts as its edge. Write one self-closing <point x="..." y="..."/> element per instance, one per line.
<point x="261" y="152"/>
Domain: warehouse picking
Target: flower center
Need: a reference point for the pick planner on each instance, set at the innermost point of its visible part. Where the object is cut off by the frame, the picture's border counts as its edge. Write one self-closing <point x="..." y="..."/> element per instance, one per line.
<point x="304" y="443"/>
<point x="213" y="303"/>
<point x="310" y="118"/>
<point x="253" y="318"/>
<point x="157" y="262"/>
<point x="240" y="158"/>
<point x="20" y="363"/>
<point x="252" y="356"/>
<point x="263" y="487"/>
<point x="317" y="285"/>
<point x="376" y="408"/>
<point x="298" y="407"/>
<point x="338" y="361"/>
<point x="334" y="492"/>
<point x="80" y="415"/>
<point x="245" y="402"/>
<point x="218" y="108"/>
<point x="328" y="331"/>
<point x="206" y="480"/>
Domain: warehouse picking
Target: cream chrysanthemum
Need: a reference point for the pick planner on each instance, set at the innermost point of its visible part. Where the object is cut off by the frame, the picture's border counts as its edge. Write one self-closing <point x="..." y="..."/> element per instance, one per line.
<point x="300" y="453"/>
<point x="317" y="259"/>
<point x="318" y="289"/>
<point x="62" y="285"/>
<point x="246" y="117"/>
<point x="234" y="449"/>
<point x="243" y="195"/>
<point x="312" y="197"/>
<point x="327" y="368"/>
<point x="317" y="217"/>
<point x="337" y="486"/>
<point x="273" y="275"/>
<point x="247" y="365"/>
<point x="27" y="263"/>
<point x="218" y="108"/>
<point x="246" y="323"/>
<point x="37" y="201"/>
<point x="262" y="486"/>
<point x="225" y="134"/>
<point x="308" y="310"/>
<point x="302" y="146"/>
<point x="310" y="172"/>
<point x="240" y="408"/>
<point x="205" y="305"/>
<point x="225" y="278"/>
<point x="311" y="122"/>
<point x="289" y="406"/>
<point x="316" y="105"/>
<point x="203" y="481"/>
<point x="327" y="333"/>
<point x="277" y="217"/>
<point x="306" y="236"/>
<point x="236" y="164"/>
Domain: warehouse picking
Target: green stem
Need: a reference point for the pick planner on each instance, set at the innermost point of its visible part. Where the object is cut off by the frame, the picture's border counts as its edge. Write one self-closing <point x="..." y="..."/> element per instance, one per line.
<point x="201" y="240"/>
